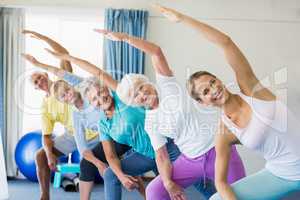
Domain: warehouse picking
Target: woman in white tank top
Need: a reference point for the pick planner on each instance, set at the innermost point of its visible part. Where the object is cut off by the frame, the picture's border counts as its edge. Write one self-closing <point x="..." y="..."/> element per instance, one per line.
<point x="254" y="118"/>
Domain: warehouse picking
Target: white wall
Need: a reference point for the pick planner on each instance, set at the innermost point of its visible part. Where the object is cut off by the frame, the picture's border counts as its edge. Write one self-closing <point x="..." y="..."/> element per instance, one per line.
<point x="267" y="31"/>
<point x="269" y="39"/>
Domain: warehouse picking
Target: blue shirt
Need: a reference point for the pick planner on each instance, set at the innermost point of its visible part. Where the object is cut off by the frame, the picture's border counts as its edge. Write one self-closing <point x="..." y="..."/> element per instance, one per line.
<point x="85" y="120"/>
<point x="86" y="126"/>
<point x="72" y="79"/>
<point x="127" y="127"/>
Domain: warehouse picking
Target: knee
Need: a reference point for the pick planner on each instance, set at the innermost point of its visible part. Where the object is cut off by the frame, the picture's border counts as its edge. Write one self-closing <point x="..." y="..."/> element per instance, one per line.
<point x="40" y="158"/>
<point x="154" y="190"/>
<point x="149" y="192"/>
<point x="109" y="176"/>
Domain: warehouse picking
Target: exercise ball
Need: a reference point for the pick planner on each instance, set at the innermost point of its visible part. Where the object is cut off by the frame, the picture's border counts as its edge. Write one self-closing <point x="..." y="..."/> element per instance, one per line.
<point x="25" y="154"/>
<point x="75" y="157"/>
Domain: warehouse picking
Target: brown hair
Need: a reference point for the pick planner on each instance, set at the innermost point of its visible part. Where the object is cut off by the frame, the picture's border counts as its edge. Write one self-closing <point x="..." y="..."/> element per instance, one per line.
<point x="191" y="83"/>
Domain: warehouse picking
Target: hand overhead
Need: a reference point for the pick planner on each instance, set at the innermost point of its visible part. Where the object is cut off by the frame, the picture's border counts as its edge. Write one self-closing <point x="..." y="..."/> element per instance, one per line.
<point x="114" y="36"/>
<point x="169" y="13"/>
<point x="33" y="34"/>
<point x="30" y="58"/>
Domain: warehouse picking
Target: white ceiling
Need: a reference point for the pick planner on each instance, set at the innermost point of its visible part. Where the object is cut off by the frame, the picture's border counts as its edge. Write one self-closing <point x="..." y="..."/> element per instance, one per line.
<point x="210" y="9"/>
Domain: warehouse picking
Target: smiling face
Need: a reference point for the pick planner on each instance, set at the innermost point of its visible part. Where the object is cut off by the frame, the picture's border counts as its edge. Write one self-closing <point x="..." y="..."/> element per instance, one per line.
<point x="40" y="81"/>
<point x="146" y="95"/>
<point x="207" y="89"/>
<point x="65" y="93"/>
<point x="99" y="97"/>
<point x="136" y="90"/>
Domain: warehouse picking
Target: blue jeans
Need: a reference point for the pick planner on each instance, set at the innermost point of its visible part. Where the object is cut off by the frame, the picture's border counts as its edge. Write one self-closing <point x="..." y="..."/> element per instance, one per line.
<point x="136" y="164"/>
<point x="262" y="185"/>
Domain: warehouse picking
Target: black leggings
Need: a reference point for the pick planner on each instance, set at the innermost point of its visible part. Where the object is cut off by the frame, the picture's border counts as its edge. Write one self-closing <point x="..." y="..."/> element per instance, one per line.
<point x="88" y="170"/>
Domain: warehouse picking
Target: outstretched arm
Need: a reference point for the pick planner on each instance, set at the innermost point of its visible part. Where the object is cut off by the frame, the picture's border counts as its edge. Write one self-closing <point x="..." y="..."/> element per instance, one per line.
<point x="239" y="63"/>
<point x="224" y="140"/>
<point x="159" y="61"/>
<point x="49" y="68"/>
<point x="65" y="65"/>
<point x="89" y="67"/>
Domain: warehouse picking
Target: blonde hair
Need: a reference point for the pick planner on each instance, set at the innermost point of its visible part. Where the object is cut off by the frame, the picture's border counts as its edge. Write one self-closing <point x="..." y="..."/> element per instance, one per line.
<point x="191" y="83"/>
<point x="54" y="91"/>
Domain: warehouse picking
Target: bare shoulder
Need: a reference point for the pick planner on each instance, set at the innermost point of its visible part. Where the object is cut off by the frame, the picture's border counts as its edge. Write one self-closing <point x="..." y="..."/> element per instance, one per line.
<point x="258" y="91"/>
<point x="225" y="137"/>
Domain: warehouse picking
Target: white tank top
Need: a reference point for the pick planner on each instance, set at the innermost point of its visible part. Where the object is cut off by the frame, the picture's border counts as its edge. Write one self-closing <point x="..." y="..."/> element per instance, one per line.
<point x="273" y="132"/>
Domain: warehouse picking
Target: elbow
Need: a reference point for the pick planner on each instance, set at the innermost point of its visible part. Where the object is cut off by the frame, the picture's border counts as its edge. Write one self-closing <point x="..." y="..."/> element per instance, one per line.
<point x="157" y="51"/>
<point x="110" y="157"/>
<point x="160" y="157"/>
<point x="226" y="41"/>
<point x="45" y="139"/>
<point x="85" y="154"/>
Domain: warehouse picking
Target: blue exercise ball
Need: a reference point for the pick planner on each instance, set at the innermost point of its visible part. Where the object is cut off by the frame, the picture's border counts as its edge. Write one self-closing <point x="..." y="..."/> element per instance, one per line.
<point x="75" y="157"/>
<point x="25" y="151"/>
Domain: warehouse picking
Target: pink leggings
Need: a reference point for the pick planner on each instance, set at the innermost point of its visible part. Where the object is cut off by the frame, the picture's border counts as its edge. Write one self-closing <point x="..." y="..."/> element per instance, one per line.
<point x="187" y="171"/>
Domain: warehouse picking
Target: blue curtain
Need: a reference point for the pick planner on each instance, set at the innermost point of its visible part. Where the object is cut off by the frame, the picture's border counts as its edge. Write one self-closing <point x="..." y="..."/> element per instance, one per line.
<point x="119" y="57"/>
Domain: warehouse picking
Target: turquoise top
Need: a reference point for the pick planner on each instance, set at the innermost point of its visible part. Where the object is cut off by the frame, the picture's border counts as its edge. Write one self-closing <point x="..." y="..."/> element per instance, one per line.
<point x="127" y="127"/>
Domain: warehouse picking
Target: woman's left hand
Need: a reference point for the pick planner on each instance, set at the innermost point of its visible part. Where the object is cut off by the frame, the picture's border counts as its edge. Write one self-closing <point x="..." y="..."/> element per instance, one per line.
<point x="176" y="192"/>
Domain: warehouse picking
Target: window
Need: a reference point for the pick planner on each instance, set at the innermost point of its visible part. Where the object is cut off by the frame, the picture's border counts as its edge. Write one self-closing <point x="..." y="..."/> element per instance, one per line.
<point x="74" y="30"/>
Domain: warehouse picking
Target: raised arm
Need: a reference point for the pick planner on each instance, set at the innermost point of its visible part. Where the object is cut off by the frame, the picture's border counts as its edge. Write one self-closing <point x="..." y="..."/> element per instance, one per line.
<point x="65" y="65"/>
<point x="243" y="71"/>
<point x="159" y="61"/>
<point x="89" y="67"/>
<point x="49" y="68"/>
<point x="224" y="140"/>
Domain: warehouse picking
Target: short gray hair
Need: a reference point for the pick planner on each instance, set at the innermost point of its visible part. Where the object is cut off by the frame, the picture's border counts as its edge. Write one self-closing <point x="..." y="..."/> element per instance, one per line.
<point x="87" y="83"/>
<point x="129" y="85"/>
